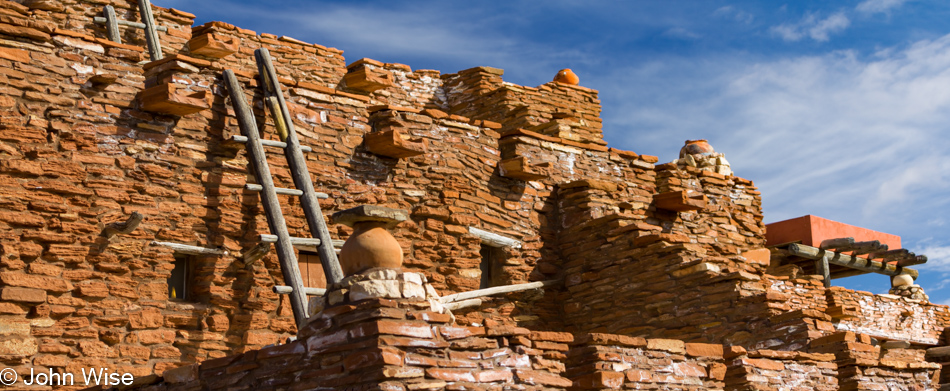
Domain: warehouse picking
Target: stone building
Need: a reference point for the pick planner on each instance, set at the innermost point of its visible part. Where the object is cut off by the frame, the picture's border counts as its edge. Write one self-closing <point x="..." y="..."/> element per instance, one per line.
<point x="657" y="276"/>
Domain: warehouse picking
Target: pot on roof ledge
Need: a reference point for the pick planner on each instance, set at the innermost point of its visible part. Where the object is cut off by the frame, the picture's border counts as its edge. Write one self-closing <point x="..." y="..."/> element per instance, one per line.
<point x="371" y="245"/>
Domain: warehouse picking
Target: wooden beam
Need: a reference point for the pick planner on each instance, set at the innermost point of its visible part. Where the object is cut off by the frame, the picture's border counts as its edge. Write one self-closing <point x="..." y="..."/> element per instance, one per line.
<point x="493" y="239"/>
<point x="275" y="218"/>
<point x="286" y="290"/>
<point x="850" y="261"/>
<point x="496" y="291"/>
<point x="462" y="304"/>
<point x="822" y="268"/>
<point x="189" y="249"/>
<point x="835" y="243"/>
<point x="126" y="23"/>
<point x="299" y="171"/>
<point x="151" y="35"/>
<point x="267" y="143"/>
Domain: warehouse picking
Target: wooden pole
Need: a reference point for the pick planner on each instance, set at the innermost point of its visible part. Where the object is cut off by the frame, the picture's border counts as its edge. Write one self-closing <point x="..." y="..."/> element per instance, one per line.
<point x="821" y="265"/>
<point x="275" y="218"/>
<point x="850" y="261"/>
<point x="496" y="290"/>
<point x="300" y="173"/>
<point x="112" y="24"/>
<point x="462" y="304"/>
<point x="151" y="35"/>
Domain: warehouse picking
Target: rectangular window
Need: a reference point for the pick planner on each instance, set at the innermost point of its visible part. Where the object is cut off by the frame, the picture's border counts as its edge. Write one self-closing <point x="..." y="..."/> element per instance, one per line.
<point x="491" y="261"/>
<point x="179" y="283"/>
<point x="311" y="270"/>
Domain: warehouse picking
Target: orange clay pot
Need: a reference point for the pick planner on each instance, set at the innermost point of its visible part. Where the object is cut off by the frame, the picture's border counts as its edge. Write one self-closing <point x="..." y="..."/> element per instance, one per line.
<point x="566" y="76"/>
<point x="694" y="147"/>
<point x="370" y="245"/>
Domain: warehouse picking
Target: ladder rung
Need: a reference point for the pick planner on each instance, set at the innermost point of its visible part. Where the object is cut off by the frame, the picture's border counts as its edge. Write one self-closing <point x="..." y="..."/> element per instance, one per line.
<point x="337" y="244"/>
<point x="281" y="190"/>
<point x="268" y="238"/>
<point x="101" y="20"/>
<point x="270" y="143"/>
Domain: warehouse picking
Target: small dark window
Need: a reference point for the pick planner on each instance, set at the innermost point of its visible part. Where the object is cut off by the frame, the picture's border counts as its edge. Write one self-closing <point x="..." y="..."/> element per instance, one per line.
<point x="179" y="283"/>
<point x="491" y="262"/>
<point x="311" y="270"/>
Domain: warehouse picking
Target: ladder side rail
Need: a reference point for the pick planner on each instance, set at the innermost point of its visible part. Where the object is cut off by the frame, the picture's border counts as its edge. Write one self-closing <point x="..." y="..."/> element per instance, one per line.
<point x="151" y="35"/>
<point x="300" y="172"/>
<point x="275" y="219"/>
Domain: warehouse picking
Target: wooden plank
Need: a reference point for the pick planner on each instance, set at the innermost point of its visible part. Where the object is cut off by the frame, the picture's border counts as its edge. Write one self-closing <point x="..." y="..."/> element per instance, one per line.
<point x="299" y="170"/>
<point x="858" y="248"/>
<point x="112" y="25"/>
<point x="275" y="218"/>
<point x="496" y="291"/>
<point x="126" y="23"/>
<point x="286" y="290"/>
<point x="151" y="35"/>
<point x="913" y="260"/>
<point x="189" y="249"/>
<point x="850" y="261"/>
<point x="835" y="243"/>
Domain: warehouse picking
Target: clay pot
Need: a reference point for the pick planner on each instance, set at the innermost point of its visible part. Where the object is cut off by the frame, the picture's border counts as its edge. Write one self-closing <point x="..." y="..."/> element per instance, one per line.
<point x="567" y="76"/>
<point x="370" y="245"/>
<point x="696" y="147"/>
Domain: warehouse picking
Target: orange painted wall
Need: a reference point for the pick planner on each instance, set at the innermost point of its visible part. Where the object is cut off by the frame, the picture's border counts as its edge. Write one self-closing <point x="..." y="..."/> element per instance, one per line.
<point x="811" y="230"/>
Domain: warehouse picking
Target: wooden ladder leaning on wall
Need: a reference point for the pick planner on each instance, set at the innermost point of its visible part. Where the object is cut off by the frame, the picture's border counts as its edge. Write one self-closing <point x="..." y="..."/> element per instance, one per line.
<point x="274" y="100"/>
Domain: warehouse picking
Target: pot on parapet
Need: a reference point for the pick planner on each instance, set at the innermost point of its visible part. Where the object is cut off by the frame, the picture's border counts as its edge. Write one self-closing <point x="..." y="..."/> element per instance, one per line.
<point x="371" y="245"/>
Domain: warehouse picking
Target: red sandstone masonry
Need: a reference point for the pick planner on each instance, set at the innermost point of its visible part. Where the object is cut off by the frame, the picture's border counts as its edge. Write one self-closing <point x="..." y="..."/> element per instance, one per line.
<point x="78" y="151"/>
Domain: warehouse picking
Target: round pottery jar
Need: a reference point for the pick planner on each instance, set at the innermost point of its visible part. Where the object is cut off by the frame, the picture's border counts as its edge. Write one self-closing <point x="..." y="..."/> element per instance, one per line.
<point x="567" y="76"/>
<point x="902" y="280"/>
<point x="370" y="245"/>
<point x="696" y="147"/>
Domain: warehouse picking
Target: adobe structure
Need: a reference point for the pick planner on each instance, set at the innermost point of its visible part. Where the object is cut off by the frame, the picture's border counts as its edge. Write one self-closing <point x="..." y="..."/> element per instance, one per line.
<point x="657" y="276"/>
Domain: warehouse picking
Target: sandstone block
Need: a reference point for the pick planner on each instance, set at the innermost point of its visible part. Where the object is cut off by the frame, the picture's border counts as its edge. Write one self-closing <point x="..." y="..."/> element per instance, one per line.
<point x="26" y="295"/>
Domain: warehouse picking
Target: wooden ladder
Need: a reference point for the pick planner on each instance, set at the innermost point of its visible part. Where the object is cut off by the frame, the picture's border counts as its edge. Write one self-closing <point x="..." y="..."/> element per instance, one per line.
<point x="148" y="24"/>
<point x="274" y="100"/>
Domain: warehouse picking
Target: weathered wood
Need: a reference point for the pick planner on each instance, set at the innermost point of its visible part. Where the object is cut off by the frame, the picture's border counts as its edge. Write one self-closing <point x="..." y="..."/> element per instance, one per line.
<point x="891" y="255"/>
<point x="280" y="190"/>
<point x="496" y="291"/>
<point x="939" y="352"/>
<point x="268" y="143"/>
<point x="493" y="239"/>
<point x="256" y="253"/>
<point x="126" y="23"/>
<point x="265" y="238"/>
<point x="124" y="227"/>
<point x="112" y="24"/>
<point x="151" y="35"/>
<point x="858" y="248"/>
<point x="189" y="249"/>
<point x="462" y="304"/>
<point x="850" y="261"/>
<point x="835" y="243"/>
<point x="274" y="105"/>
<point x="300" y="172"/>
<point x="821" y="267"/>
<point x="275" y="218"/>
<point x="286" y="290"/>
<point x="912" y="260"/>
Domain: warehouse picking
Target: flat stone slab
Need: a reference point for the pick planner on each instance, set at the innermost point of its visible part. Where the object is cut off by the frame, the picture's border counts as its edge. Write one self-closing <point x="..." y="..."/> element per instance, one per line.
<point x="362" y="213"/>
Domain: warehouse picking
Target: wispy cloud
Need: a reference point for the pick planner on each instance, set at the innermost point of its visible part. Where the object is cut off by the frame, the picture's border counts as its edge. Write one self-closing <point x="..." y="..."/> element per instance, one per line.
<point x="811" y="26"/>
<point x="731" y="12"/>
<point x="878" y="6"/>
<point x="681" y="33"/>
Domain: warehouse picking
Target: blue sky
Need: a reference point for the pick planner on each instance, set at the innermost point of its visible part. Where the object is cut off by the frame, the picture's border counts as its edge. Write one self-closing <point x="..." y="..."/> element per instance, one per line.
<point x="837" y="109"/>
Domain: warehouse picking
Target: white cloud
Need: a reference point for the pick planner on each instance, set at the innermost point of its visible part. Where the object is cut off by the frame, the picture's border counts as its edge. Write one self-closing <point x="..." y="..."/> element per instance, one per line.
<point x="734" y="13"/>
<point x="938" y="258"/>
<point x="813" y="27"/>
<point x="878" y="6"/>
